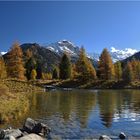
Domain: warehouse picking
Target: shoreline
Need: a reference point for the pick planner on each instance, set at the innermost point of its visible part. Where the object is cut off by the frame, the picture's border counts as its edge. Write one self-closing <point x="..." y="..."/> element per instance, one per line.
<point x="97" y="85"/>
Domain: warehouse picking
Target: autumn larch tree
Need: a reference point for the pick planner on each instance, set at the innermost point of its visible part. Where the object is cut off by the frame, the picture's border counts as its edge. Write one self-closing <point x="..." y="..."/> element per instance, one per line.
<point x="85" y="70"/>
<point x="128" y="74"/>
<point x="33" y="74"/>
<point x="15" y="66"/>
<point x="65" y="67"/>
<point x="74" y="71"/>
<point x="118" y="70"/>
<point x="3" y="72"/>
<point x="138" y="70"/>
<point x="135" y="66"/>
<point x="105" y="66"/>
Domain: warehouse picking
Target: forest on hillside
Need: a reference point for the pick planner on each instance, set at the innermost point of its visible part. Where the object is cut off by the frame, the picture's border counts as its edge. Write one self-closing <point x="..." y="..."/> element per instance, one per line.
<point x="21" y="66"/>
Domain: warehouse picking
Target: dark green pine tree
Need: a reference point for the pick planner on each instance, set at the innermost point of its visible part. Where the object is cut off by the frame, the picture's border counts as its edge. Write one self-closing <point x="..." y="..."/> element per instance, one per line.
<point x="65" y="67"/>
<point x="30" y="65"/>
<point x="55" y="74"/>
<point x="39" y="70"/>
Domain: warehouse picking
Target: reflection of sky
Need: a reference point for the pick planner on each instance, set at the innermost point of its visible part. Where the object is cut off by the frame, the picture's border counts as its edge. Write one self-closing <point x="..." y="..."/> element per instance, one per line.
<point x="94" y="120"/>
<point x="126" y="115"/>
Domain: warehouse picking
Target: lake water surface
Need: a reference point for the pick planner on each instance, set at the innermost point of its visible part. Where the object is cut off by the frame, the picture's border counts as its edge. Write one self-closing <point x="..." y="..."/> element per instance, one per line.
<point x="80" y="114"/>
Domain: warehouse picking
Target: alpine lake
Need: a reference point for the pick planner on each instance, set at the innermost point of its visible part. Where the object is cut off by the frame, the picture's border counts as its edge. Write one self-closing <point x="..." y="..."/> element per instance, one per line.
<point x="85" y="114"/>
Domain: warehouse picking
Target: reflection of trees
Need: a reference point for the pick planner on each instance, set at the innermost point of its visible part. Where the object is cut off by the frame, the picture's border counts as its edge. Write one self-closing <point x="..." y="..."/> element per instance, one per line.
<point x="128" y="100"/>
<point x="112" y="101"/>
<point x="85" y="104"/>
<point x="135" y="101"/>
<point x="107" y="103"/>
<point x="64" y="103"/>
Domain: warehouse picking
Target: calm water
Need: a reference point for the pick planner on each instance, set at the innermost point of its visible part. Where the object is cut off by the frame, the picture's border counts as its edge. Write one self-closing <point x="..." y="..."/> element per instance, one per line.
<point x="86" y="113"/>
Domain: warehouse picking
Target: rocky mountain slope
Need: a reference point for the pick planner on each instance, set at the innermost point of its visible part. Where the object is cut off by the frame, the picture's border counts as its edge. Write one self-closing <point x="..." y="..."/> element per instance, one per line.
<point x="46" y="58"/>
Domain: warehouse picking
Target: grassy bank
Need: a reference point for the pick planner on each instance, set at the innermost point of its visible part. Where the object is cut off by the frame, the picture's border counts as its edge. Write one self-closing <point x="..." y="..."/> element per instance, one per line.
<point x="15" y="86"/>
<point x="14" y="100"/>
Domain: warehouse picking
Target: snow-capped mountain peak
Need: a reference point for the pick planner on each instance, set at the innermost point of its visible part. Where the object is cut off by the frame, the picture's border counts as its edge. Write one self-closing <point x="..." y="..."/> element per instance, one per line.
<point x="125" y="51"/>
<point x="121" y="54"/>
<point x="63" y="46"/>
<point x="2" y="53"/>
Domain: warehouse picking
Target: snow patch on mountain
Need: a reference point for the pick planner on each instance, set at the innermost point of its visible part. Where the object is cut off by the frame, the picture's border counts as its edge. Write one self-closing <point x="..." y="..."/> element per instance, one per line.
<point x="64" y="46"/>
<point x="2" y="53"/>
<point x="94" y="56"/>
<point x="121" y="54"/>
<point x="126" y="51"/>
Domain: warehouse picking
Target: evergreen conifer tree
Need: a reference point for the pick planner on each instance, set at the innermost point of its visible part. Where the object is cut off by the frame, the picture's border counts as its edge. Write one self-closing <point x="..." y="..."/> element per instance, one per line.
<point x="65" y="67"/>
<point x="55" y="74"/>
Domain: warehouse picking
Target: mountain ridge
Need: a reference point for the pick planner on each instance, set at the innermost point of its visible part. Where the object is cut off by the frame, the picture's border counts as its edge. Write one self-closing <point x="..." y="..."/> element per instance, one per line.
<point x="73" y="50"/>
<point x="65" y="46"/>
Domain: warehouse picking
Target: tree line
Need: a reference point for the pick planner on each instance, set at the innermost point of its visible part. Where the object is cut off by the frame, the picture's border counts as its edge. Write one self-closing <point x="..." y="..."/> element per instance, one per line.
<point x="19" y="67"/>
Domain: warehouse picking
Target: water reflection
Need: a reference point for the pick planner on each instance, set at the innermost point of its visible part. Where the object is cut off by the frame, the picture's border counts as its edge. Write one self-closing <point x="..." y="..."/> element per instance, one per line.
<point x="107" y="105"/>
<point x="119" y="104"/>
<point x="86" y="111"/>
<point x="65" y="104"/>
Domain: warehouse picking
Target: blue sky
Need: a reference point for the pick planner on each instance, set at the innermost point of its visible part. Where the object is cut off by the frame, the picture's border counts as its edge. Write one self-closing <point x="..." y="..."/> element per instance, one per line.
<point x="95" y="25"/>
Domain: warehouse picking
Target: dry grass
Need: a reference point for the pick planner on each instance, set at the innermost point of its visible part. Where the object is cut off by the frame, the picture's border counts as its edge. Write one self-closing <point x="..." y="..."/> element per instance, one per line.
<point x="14" y="100"/>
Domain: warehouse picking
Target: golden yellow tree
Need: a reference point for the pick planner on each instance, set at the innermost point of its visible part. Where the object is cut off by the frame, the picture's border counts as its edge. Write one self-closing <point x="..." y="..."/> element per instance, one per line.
<point x="118" y="70"/>
<point x="128" y="74"/>
<point x="15" y="66"/>
<point x="33" y="74"/>
<point x="135" y="64"/>
<point x="84" y="67"/>
<point x="138" y="70"/>
<point x="105" y="66"/>
<point x="3" y="72"/>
